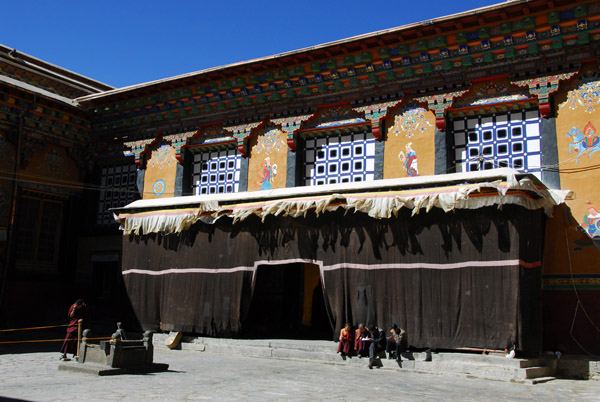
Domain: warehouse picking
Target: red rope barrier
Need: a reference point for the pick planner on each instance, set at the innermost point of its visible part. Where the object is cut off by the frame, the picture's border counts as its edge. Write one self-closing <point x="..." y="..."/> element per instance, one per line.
<point x="53" y="340"/>
<point x="25" y="329"/>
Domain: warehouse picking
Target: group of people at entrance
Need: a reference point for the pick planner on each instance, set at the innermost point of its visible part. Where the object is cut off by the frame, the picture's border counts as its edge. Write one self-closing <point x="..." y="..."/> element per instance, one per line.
<point x="371" y="341"/>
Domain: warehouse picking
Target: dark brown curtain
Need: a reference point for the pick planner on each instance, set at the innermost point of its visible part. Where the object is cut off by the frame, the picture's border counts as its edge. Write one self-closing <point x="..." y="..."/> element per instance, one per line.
<point x="374" y="271"/>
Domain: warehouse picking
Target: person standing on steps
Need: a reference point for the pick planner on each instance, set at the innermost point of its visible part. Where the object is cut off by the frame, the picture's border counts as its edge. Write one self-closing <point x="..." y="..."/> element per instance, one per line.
<point x="77" y="314"/>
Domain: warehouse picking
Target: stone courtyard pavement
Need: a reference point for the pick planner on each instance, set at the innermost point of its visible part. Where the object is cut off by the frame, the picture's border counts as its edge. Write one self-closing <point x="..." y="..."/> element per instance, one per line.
<point x="194" y="376"/>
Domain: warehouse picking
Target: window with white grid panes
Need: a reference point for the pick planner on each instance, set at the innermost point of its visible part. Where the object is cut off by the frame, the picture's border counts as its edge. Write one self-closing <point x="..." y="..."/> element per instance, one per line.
<point x="118" y="188"/>
<point x="339" y="159"/>
<point x="216" y="172"/>
<point x="509" y="139"/>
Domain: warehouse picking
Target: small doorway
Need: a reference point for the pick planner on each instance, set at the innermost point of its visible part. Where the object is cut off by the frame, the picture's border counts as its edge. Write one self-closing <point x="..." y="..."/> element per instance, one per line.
<point x="287" y="303"/>
<point x="108" y="300"/>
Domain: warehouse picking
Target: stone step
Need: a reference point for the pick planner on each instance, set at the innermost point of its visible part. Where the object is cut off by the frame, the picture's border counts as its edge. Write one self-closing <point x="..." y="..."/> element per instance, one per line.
<point x="493" y="366"/>
<point x="537" y="372"/>
<point x="323" y="346"/>
<point x="495" y="359"/>
<point x="542" y="380"/>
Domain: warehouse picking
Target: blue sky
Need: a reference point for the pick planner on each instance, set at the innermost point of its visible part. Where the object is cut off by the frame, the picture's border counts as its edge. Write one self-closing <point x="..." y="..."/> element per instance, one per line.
<point x="129" y="42"/>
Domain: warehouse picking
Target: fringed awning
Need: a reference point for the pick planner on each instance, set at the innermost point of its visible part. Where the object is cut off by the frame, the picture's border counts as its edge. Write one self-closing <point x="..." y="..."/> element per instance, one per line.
<point x="379" y="199"/>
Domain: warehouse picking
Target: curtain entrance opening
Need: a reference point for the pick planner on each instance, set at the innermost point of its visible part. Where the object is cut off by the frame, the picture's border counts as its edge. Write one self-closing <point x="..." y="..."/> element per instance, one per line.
<point x="287" y="303"/>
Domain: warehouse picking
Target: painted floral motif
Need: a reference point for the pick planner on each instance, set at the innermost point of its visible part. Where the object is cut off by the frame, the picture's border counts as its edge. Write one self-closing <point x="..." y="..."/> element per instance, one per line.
<point x="591" y="220"/>
<point x="270" y="141"/>
<point x="158" y="189"/>
<point x="586" y="142"/>
<point x="409" y="161"/>
<point x="587" y="95"/>
<point x="411" y="122"/>
<point x="163" y="156"/>
<point x="53" y="162"/>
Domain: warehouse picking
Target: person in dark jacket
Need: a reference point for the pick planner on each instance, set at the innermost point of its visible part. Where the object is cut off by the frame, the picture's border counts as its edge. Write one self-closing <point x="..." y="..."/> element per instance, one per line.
<point x="378" y="343"/>
<point x="397" y="342"/>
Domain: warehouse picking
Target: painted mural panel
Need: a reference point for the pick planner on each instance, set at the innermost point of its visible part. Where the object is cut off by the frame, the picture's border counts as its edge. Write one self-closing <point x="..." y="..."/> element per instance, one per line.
<point x="410" y="143"/>
<point x="51" y="164"/>
<point x="161" y="169"/>
<point x="7" y="166"/>
<point x="571" y="258"/>
<point x="577" y="123"/>
<point x="571" y="283"/>
<point x="334" y="116"/>
<point x="268" y="160"/>
<point x="498" y="92"/>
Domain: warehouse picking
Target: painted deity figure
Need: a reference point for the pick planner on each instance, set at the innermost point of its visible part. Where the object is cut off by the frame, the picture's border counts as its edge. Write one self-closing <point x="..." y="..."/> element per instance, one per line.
<point x="268" y="175"/>
<point x="588" y="141"/>
<point x="409" y="161"/>
<point x="590" y="134"/>
<point x="591" y="220"/>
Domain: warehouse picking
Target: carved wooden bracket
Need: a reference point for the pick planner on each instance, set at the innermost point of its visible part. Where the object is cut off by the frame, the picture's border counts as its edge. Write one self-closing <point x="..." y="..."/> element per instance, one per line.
<point x="241" y="133"/>
<point x="543" y="87"/>
<point x="375" y="113"/>
<point x="179" y="141"/>
<point x="439" y="103"/>
<point x="290" y="125"/>
<point x="138" y="148"/>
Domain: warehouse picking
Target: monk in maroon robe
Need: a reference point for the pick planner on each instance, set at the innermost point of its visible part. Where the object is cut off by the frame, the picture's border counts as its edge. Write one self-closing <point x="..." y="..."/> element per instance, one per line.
<point x="346" y="345"/>
<point x="77" y="313"/>
<point x="361" y="346"/>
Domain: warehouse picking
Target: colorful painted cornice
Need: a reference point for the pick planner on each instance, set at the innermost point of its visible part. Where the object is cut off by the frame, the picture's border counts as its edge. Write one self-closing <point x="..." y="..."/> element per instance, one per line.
<point x="439" y="103"/>
<point x="241" y="133"/>
<point x="39" y="81"/>
<point x="180" y="141"/>
<point x="542" y="87"/>
<point x="375" y="113"/>
<point x="554" y="36"/>
<point x="544" y="33"/>
<point x="137" y="148"/>
<point x="290" y="125"/>
<point x="43" y="118"/>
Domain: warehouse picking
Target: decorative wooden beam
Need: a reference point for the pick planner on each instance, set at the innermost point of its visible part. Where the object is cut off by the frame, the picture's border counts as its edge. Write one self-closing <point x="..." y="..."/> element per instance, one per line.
<point x="375" y="113"/>
<point x="543" y="87"/>
<point x="290" y="125"/>
<point x="180" y="141"/>
<point x="241" y="133"/>
<point x="439" y="103"/>
<point x="137" y="148"/>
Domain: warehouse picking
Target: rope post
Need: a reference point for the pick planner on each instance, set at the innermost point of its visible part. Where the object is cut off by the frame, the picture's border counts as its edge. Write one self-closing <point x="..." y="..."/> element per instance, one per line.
<point x="78" y="337"/>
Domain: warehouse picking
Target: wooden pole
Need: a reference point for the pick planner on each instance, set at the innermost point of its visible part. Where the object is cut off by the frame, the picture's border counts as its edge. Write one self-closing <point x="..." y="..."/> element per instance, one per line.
<point x="78" y="337"/>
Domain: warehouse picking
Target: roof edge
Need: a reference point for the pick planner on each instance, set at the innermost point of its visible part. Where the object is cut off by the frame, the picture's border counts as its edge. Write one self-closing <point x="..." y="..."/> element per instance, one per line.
<point x="61" y="73"/>
<point x="351" y="39"/>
